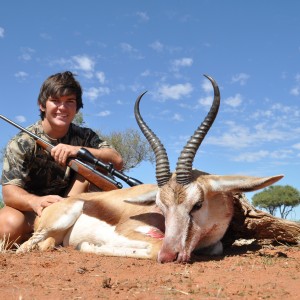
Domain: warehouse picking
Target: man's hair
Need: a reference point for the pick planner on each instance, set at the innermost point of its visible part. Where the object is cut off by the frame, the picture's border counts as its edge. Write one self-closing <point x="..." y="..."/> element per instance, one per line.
<point x="57" y="85"/>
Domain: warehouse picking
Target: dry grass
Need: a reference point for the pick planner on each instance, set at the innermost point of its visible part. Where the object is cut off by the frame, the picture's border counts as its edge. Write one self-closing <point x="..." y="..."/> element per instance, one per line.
<point x="7" y="246"/>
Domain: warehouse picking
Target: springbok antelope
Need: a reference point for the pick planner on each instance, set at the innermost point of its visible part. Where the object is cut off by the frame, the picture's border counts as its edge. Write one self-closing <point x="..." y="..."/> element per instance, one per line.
<point x="185" y="211"/>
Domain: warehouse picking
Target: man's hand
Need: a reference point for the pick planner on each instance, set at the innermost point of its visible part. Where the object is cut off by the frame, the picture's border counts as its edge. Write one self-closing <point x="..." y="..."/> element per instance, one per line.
<point x="44" y="202"/>
<point x="62" y="152"/>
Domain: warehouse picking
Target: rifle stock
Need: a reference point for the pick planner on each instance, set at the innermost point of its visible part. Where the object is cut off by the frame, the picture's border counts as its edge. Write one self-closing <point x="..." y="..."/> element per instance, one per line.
<point x="100" y="180"/>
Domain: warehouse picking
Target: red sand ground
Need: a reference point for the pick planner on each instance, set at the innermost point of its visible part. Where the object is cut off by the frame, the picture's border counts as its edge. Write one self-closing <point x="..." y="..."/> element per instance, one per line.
<point x="246" y="272"/>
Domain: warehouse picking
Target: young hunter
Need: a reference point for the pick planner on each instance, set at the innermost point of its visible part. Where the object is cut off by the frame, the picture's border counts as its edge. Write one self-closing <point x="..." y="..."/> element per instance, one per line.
<point x="32" y="178"/>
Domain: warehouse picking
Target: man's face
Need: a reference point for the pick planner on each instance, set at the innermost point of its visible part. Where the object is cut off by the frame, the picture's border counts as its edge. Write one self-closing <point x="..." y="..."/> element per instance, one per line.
<point x="60" y="111"/>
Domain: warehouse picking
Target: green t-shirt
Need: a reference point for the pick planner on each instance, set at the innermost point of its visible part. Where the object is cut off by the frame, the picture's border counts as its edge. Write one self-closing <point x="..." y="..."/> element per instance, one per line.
<point x="29" y="166"/>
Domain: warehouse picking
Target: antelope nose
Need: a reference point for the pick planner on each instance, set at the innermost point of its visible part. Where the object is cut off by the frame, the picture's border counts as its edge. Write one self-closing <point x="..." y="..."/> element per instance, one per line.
<point x="167" y="256"/>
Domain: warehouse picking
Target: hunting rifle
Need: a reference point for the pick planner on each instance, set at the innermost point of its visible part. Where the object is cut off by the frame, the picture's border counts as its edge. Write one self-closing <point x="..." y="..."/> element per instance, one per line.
<point x="95" y="177"/>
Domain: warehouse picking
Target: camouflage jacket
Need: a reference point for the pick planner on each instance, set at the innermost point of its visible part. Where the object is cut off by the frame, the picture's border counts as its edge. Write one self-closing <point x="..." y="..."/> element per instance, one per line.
<point x="29" y="166"/>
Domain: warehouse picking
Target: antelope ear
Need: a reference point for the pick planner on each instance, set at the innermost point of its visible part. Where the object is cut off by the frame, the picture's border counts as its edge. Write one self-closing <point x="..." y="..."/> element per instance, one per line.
<point x="240" y="184"/>
<point x="146" y="198"/>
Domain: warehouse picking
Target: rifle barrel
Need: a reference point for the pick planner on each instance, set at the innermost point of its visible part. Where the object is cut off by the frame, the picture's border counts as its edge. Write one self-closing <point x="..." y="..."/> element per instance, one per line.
<point x="49" y="146"/>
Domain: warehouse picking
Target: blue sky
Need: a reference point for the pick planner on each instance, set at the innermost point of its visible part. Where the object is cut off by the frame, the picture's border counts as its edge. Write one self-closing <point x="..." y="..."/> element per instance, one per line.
<point x="120" y="49"/>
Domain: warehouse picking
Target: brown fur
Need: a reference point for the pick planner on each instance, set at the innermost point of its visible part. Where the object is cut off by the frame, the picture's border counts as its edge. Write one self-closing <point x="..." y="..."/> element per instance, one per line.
<point x="188" y="227"/>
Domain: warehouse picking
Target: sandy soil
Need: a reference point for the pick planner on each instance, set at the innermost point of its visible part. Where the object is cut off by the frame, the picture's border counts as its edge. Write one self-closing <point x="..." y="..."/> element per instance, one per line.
<point x="244" y="272"/>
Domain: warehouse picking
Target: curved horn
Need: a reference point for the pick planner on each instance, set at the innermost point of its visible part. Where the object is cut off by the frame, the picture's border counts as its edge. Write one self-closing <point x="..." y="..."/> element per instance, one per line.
<point x="185" y="160"/>
<point x="162" y="162"/>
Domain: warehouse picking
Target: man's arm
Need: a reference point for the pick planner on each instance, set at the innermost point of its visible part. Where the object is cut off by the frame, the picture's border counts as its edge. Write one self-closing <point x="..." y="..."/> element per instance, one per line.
<point x="18" y="198"/>
<point x="108" y="155"/>
<point x="61" y="152"/>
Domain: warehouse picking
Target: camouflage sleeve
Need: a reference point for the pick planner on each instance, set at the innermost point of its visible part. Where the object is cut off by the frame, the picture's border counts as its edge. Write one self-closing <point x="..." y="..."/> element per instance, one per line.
<point x="96" y="142"/>
<point x="17" y="157"/>
<point x="86" y="137"/>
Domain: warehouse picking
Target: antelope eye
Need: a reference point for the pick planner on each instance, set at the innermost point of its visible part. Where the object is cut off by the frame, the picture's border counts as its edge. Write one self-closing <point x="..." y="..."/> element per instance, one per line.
<point x="197" y="206"/>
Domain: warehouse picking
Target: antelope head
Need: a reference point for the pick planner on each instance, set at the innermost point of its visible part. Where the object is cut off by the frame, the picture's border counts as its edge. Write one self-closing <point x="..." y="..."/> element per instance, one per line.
<point x="197" y="207"/>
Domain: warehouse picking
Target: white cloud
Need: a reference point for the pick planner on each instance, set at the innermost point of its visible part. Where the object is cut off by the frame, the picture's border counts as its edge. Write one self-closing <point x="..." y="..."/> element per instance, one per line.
<point x="280" y="115"/>
<point x="251" y="156"/>
<point x="143" y="16"/>
<point x="295" y="91"/>
<point x="230" y="140"/>
<point x="263" y="132"/>
<point x="206" y="101"/>
<point x="104" y="113"/>
<point x="136" y="87"/>
<point x="45" y="36"/>
<point x="296" y="146"/>
<point x="1" y="32"/>
<point x="174" y="91"/>
<point x="26" y="53"/>
<point x="101" y="77"/>
<point x="183" y="62"/>
<point x="60" y="62"/>
<point x="157" y="46"/>
<point x="240" y="78"/>
<point x="84" y="63"/>
<point x="146" y="73"/>
<point x="94" y="93"/>
<point x="21" y="75"/>
<point x="177" y="117"/>
<point x="289" y="110"/>
<point x="206" y="86"/>
<point x="234" y="101"/>
<point x="262" y="114"/>
<point x="281" y="154"/>
<point x="20" y="119"/>
<point x="240" y="136"/>
<point x="127" y="48"/>
<point x="261" y="154"/>
<point x="91" y="93"/>
<point x="208" y="89"/>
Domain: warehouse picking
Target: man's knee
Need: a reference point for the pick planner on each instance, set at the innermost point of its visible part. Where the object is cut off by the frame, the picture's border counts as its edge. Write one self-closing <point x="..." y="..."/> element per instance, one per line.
<point x="14" y="224"/>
